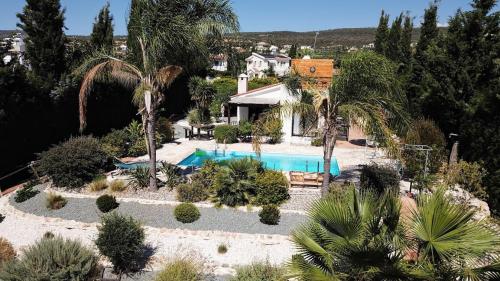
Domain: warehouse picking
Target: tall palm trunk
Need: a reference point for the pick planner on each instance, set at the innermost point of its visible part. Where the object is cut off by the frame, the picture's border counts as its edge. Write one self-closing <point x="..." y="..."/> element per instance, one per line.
<point x="153" y="186"/>
<point x="328" y="146"/>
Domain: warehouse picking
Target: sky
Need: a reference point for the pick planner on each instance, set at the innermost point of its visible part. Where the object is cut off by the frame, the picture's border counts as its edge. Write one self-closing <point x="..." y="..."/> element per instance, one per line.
<point x="256" y="15"/>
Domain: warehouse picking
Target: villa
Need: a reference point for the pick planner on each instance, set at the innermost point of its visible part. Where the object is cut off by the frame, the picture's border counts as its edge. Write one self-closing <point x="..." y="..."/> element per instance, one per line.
<point x="258" y="65"/>
<point x="249" y="105"/>
<point x="219" y="62"/>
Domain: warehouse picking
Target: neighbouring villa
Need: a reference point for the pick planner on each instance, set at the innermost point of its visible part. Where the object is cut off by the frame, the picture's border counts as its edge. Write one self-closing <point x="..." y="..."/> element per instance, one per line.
<point x="219" y="62"/>
<point x="258" y="65"/>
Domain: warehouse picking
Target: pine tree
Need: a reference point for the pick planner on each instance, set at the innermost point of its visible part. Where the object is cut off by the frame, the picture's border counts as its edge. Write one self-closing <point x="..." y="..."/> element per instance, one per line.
<point x="102" y="33"/>
<point x="43" y="23"/>
<point x="393" y="51"/>
<point x="134" y="30"/>
<point x="406" y="39"/>
<point x="382" y="34"/>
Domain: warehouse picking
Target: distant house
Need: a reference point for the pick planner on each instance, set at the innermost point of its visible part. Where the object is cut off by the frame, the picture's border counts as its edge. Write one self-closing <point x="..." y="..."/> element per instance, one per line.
<point x="17" y="50"/>
<point x="219" y="62"/>
<point x="261" y="47"/>
<point x="369" y="46"/>
<point x="273" y="49"/>
<point x="352" y="49"/>
<point x="306" y="47"/>
<point x="260" y="64"/>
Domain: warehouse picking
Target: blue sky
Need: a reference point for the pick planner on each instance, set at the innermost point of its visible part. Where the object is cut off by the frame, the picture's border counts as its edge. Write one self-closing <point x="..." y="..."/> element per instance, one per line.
<point x="257" y="15"/>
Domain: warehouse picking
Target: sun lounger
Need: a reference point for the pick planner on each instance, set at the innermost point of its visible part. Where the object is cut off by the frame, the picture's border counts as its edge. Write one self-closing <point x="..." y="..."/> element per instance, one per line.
<point x="305" y="179"/>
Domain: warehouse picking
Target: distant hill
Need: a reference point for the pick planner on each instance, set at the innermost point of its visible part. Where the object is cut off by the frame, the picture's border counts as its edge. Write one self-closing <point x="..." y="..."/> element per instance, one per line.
<point x="326" y="38"/>
<point x="7" y="33"/>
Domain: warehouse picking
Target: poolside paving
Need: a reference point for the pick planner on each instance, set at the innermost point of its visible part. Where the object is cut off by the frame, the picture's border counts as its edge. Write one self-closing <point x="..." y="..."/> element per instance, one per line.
<point x="161" y="216"/>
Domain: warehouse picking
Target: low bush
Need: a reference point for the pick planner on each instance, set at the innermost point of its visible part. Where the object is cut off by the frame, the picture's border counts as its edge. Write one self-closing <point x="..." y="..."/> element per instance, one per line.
<point x="379" y="178"/>
<point x="25" y="193"/>
<point x="339" y="188"/>
<point x="7" y="252"/>
<point x="245" y="130"/>
<point x="121" y="240"/>
<point x="260" y="271"/>
<point x="230" y="190"/>
<point x="186" y="213"/>
<point x="54" y="259"/>
<point x="468" y="175"/>
<point x="138" y="148"/>
<point x="74" y="162"/>
<point x="222" y="249"/>
<point x="317" y="142"/>
<point x="274" y="131"/>
<point x="182" y="269"/>
<point x="55" y="201"/>
<point x="191" y="192"/>
<point x="139" y="177"/>
<point x="270" y="214"/>
<point x="98" y="184"/>
<point x="116" y="143"/>
<point x="226" y="134"/>
<point x="271" y="188"/>
<point x="172" y="174"/>
<point x="117" y="186"/>
<point x="207" y="173"/>
<point x="165" y="129"/>
<point x="106" y="203"/>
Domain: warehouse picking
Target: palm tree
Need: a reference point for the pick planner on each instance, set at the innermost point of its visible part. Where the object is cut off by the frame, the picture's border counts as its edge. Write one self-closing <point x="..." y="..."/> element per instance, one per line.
<point x="358" y="236"/>
<point x="158" y="33"/>
<point x="450" y="244"/>
<point x="365" y="93"/>
<point x="354" y="236"/>
<point x="202" y="93"/>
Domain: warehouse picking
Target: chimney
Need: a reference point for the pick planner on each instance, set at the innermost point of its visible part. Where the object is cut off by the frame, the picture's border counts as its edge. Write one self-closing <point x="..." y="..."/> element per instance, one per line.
<point x="242" y="83"/>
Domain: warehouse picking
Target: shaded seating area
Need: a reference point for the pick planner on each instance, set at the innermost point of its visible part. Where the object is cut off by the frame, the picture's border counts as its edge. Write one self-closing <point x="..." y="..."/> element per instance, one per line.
<point x="303" y="179"/>
<point x="199" y="131"/>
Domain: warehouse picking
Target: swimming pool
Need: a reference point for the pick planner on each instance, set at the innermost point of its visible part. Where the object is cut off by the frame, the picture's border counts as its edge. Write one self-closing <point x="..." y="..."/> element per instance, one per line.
<point x="273" y="161"/>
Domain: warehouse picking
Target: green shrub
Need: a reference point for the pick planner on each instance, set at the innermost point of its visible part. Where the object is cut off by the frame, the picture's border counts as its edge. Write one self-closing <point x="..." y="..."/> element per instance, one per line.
<point x="139" y="177"/>
<point x="226" y="133"/>
<point x="270" y="214"/>
<point x="222" y="249"/>
<point x="25" y="193"/>
<point x="317" y="142"/>
<point x="138" y="148"/>
<point x="231" y="191"/>
<point x="259" y="272"/>
<point x="116" y="143"/>
<point x="207" y="173"/>
<point x="468" y="176"/>
<point x="191" y="192"/>
<point x="271" y="188"/>
<point x="424" y="132"/>
<point x="182" y="269"/>
<point x="54" y="259"/>
<point x="106" y="203"/>
<point x="121" y="240"/>
<point x="74" y="162"/>
<point x="55" y="201"/>
<point x="117" y="186"/>
<point x="261" y="82"/>
<point x="98" y="184"/>
<point x="273" y="130"/>
<point x="379" y="178"/>
<point x="172" y="174"/>
<point x="165" y="129"/>
<point x="245" y="130"/>
<point x="186" y="213"/>
<point x="7" y="252"/>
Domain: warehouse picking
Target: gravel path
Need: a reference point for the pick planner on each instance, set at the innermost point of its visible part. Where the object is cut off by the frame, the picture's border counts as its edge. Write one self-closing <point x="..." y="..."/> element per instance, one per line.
<point x="161" y="216"/>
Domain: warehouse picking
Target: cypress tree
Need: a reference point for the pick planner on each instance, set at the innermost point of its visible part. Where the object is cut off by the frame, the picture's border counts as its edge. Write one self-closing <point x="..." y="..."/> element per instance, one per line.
<point x="393" y="51"/>
<point x="382" y="34"/>
<point x="429" y="30"/>
<point x="134" y="29"/>
<point x="406" y="39"/>
<point x="293" y="51"/>
<point x="43" y="23"/>
<point x="102" y="33"/>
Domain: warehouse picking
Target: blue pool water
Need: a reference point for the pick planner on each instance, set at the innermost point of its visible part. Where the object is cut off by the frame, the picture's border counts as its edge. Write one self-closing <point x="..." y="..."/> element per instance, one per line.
<point x="274" y="161"/>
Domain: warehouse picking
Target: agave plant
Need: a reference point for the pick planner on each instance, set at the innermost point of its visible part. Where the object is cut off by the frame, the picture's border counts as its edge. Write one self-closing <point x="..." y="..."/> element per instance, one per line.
<point x="351" y="237"/>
